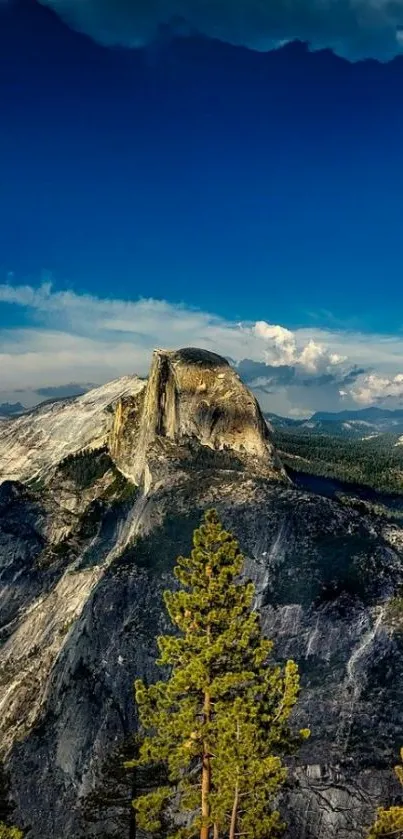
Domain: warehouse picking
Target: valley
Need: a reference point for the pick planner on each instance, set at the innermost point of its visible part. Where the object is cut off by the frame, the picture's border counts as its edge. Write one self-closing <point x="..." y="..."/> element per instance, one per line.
<point x="374" y="462"/>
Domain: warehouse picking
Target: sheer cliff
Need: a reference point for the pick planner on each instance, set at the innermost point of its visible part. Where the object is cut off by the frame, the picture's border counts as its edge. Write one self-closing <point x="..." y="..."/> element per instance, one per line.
<point x="192" y="396"/>
<point x="99" y="496"/>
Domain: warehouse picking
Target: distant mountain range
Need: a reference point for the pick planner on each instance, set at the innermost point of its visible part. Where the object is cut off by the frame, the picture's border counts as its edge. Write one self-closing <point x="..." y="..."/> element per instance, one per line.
<point x="372" y="414"/>
<point x="362" y="423"/>
<point x="10" y="409"/>
<point x="46" y="395"/>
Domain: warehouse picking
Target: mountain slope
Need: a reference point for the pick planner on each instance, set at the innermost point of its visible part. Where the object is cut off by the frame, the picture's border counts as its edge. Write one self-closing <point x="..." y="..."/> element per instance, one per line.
<point x="41" y="438"/>
<point x="85" y="554"/>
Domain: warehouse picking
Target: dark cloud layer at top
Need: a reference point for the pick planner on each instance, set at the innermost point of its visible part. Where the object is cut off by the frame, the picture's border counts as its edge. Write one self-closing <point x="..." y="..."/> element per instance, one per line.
<point x="353" y="29"/>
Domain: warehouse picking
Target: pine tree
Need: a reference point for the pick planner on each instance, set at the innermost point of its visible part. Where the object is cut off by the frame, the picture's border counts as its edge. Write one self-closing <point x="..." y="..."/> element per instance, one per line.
<point x="389" y="822"/>
<point x="109" y="803"/>
<point x="220" y="722"/>
<point x="10" y="832"/>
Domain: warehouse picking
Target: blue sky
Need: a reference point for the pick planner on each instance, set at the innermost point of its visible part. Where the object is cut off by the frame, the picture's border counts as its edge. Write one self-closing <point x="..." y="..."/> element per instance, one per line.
<point x="255" y="186"/>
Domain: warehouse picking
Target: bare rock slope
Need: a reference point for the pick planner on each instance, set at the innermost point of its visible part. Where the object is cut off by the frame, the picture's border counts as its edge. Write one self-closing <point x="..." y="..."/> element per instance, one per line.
<point x="87" y="548"/>
<point x="34" y="442"/>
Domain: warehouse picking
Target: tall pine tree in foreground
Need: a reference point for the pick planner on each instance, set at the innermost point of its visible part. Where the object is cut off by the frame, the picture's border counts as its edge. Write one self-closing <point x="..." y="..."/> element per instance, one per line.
<point x="389" y="822"/>
<point x="221" y="721"/>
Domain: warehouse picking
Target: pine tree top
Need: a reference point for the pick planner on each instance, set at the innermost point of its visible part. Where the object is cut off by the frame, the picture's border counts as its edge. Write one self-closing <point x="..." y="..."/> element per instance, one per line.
<point x="226" y="705"/>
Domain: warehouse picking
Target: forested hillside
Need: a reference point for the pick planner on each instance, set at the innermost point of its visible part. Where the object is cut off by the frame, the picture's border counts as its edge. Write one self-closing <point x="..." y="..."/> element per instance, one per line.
<point x="376" y="462"/>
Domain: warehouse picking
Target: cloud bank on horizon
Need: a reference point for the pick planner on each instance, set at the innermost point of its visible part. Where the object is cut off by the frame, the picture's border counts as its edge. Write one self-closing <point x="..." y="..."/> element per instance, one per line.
<point x="82" y="338"/>
<point x="353" y="29"/>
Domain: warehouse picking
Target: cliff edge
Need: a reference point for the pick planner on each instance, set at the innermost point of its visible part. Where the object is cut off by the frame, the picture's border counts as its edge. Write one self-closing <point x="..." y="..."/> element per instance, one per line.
<point x="192" y="396"/>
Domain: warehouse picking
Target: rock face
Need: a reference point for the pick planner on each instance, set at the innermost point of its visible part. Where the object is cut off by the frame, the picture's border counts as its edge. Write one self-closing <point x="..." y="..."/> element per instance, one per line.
<point x="31" y="444"/>
<point x="191" y="395"/>
<point x="86" y="553"/>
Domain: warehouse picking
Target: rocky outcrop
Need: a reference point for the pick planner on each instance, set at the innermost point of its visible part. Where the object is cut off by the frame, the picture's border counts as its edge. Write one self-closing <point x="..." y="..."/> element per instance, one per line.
<point x="191" y="395"/>
<point x="82" y="584"/>
<point x="33" y="443"/>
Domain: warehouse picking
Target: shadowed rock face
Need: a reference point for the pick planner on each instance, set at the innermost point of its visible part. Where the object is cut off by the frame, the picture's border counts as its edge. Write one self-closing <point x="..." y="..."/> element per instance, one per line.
<point x="193" y="395"/>
<point x="85" y="557"/>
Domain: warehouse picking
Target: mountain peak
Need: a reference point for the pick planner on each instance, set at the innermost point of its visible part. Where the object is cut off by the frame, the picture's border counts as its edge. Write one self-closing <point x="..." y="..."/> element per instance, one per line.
<point x="193" y="356"/>
<point x="194" y="395"/>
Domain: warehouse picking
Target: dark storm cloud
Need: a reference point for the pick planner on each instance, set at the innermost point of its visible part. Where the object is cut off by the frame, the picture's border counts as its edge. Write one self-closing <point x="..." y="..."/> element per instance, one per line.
<point x="351" y="28"/>
<point x="340" y="378"/>
<point x="264" y="377"/>
<point x="353" y="375"/>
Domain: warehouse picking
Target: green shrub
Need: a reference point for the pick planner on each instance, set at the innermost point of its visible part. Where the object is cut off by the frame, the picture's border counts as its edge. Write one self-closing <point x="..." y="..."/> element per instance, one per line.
<point x="84" y="468"/>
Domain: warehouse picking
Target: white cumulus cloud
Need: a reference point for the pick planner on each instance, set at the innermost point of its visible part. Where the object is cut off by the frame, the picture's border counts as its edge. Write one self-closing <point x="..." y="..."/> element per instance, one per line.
<point x="71" y="337"/>
<point x="374" y="389"/>
<point x="351" y="28"/>
<point x="282" y="348"/>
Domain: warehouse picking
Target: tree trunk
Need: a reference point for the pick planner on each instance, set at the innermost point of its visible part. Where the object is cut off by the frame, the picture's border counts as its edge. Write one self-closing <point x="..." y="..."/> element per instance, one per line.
<point x="206" y="776"/>
<point x="133" y="821"/>
<point x="234" y="814"/>
<point x="215" y="831"/>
